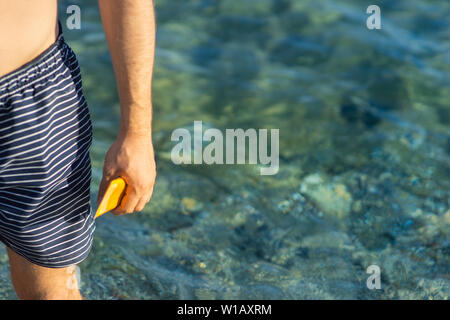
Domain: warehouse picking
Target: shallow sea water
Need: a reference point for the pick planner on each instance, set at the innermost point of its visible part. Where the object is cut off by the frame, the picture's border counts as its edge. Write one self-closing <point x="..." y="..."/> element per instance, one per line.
<point x="364" y="153"/>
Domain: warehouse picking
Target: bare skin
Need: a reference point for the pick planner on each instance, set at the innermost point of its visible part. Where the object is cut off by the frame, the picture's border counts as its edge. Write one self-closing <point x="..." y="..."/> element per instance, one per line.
<point x="33" y="282"/>
<point x="27" y="28"/>
<point x="130" y="31"/>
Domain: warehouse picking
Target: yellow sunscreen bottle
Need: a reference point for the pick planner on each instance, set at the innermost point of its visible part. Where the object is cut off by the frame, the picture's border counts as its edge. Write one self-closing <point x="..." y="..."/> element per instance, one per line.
<point x="112" y="197"/>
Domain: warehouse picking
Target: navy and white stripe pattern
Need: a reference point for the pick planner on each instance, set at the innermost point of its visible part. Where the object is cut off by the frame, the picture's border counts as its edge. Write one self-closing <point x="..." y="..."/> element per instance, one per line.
<point x="45" y="169"/>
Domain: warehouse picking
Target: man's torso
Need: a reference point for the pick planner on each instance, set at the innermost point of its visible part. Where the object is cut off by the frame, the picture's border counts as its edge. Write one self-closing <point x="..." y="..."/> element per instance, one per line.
<point x="27" y="28"/>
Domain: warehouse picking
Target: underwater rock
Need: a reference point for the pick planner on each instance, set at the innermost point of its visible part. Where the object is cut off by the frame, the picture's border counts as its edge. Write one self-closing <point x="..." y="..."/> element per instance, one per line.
<point x="295" y="22"/>
<point x="281" y="6"/>
<point x="353" y="114"/>
<point x="232" y="28"/>
<point x="332" y="198"/>
<point x="388" y="91"/>
<point x="264" y="292"/>
<point x="430" y="289"/>
<point x="205" y="54"/>
<point x="204" y="294"/>
<point x="308" y="290"/>
<point x="246" y="7"/>
<point x="446" y="218"/>
<point x="327" y="240"/>
<point x="189" y="205"/>
<point x="295" y="51"/>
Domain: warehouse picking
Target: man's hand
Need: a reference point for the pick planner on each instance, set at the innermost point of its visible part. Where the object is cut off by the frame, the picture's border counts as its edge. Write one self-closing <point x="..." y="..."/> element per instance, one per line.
<point x="131" y="157"/>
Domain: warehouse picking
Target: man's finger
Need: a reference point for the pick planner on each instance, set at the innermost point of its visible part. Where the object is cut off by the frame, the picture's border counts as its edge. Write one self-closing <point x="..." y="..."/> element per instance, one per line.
<point x="148" y="196"/>
<point x="128" y="203"/>
<point x="140" y="205"/>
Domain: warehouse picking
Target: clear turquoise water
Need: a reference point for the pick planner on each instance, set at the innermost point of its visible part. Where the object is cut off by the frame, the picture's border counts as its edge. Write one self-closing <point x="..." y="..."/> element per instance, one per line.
<point x="364" y="153"/>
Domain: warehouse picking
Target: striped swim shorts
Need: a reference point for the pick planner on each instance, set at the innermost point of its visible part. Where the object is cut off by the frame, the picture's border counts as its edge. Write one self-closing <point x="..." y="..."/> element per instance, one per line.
<point x="45" y="168"/>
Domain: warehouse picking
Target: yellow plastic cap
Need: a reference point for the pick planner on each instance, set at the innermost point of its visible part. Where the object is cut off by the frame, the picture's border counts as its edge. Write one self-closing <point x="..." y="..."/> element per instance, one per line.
<point x="112" y="197"/>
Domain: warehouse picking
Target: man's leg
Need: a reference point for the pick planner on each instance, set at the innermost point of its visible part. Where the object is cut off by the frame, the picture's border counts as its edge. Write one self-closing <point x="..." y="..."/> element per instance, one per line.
<point x="33" y="282"/>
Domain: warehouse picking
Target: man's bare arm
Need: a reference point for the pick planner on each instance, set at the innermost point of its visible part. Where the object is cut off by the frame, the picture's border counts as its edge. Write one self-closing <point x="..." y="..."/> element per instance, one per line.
<point x="130" y="31"/>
